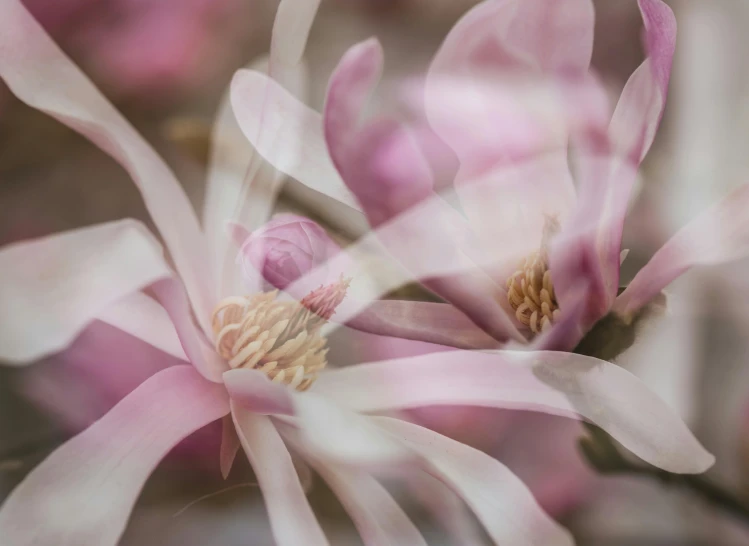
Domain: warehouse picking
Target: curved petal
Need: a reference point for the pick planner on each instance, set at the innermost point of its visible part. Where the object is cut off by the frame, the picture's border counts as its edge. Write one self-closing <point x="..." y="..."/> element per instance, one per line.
<point x="171" y="294"/>
<point x="83" y="493"/>
<point x="499" y="499"/>
<point x="337" y="433"/>
<point x="643" y="99"/>
<point x="606" y="182"/>
<point x="290" y="32"/>
<point x="52" y="287"/>
<point x="233" y="178"/>
<point x="253" y="391"/>
<point x="142" y="317"/>
<point x="287" y="133"/>
<point x="557" y="383"/>
<point x="241" y="186"/>
<point x="290" y="514"/>
<point x="351" y="84"/>
<point x="540" y="35"/>
<point x="447" y="509"/>
<point x="229" y="446"/>
<point x="719" y="235"/>
<point x="378" y="518"/>
<point x="437" y="323"/>
<point x="40" y="74"/>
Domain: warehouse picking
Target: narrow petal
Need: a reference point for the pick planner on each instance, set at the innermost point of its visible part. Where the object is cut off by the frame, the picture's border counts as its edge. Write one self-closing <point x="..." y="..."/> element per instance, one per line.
<point x="229" y="446"/>
<point x="40" y="74"/>
<point x="719" y="235"/>
<point x="499" y="499"/>
<point x="142" y="317"/>
<point x="351" y="84"/>
<point x="337" y="433"/>
<point x="290" y="32"/>
<point x="241" y="186"/>
<point x="288" y="134"/>
<point x="83" y="493"/>
<point x="290" y="514"/>
<point x="557" y="383"/>
<point x="606" y="181"/>
<point x="253" y="391"/>
<point x="377" y="516"/>
<point x="232" y="168"/>
<point x="171" y="294"/>
<point x="446" y="508"/>
<point x="540" y="35"/>
<point x="643" y="99"/>
<point x="437" y="323"/>
<point x="51" y="288"/>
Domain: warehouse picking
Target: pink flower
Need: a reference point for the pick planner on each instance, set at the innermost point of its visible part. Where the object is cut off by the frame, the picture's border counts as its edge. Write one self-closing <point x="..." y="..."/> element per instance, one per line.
<point x="508" y="92"/>
<point x="255" y="359"/>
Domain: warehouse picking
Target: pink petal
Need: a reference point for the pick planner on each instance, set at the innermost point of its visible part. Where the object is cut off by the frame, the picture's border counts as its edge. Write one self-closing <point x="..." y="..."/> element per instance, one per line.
<point x="101" y="366"/>
<point x="349" y="89"/>
<point x="540" y="35"/>
<point x="51" y="288"/>
<point x="291" y="517"/>
<point x="542" y="450"/>
<point x="83" y="493"/>
<point x="377" y="516"/>
<point x="229" y="183"/>
<point x="41" y="75"/>
<point x="446" y="508"/>
<point x="718" y="235"/>
<point x="171" y="294"/>
<point x="643" y="99"/>
<point x="253" y="391"/>
<point x="241" y="186"/>
<point x="499" y="499"/>
<point x="437" y="323"/>
<point x="287" y="133"/>
<point x="337" y="433"/>
<point x="592" y="244"/>
<point x="557" y="383"/>
<point x="229" y="446"/>
<point x="142" y="317"/>
<point x="293" y="22"/>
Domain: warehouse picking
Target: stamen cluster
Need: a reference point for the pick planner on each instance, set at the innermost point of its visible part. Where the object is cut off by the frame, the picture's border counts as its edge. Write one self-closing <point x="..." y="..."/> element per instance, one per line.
<point x="280" y="338"/>
<point x="531" y="293"/>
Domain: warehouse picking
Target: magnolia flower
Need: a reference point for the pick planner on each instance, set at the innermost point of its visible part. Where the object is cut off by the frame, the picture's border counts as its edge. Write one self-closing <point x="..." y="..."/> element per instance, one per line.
<point x="258" y="360"/>
<point x="541" y="252"/>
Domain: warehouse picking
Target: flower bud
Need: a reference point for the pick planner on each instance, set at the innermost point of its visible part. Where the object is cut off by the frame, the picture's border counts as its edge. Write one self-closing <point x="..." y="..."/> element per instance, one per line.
<point x="286" y="248"/>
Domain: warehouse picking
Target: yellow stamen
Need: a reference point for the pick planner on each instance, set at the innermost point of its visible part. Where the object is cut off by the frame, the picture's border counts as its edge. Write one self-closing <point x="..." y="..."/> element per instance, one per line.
<point x="530" y="291"/>
<point x="280" y="338"/>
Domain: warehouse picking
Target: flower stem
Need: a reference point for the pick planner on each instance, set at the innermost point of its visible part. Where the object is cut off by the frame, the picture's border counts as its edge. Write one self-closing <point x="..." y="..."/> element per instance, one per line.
<point x="603" y="455"/>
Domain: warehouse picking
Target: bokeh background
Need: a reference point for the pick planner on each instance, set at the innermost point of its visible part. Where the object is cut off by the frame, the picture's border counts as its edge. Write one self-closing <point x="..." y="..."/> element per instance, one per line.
<point x="166" y="63"/>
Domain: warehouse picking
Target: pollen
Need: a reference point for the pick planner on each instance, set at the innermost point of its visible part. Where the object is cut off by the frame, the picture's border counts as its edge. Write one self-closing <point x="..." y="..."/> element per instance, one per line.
<point x="280" y="338"/>
<point x="530" y="290"/>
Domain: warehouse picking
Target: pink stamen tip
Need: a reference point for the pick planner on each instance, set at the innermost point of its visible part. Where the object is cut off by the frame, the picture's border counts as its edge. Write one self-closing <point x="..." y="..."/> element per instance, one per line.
<point x="323" y="301"/>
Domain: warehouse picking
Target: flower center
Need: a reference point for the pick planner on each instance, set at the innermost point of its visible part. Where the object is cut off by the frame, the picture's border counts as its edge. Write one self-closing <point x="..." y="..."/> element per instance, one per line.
<point x="531" y="293"/>
<point x="280" y="338"/>
<point x="530" y="290"/>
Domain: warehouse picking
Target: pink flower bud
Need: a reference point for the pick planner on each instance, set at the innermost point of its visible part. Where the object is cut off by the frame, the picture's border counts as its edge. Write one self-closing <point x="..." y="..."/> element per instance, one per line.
<point x="286" y="248"/>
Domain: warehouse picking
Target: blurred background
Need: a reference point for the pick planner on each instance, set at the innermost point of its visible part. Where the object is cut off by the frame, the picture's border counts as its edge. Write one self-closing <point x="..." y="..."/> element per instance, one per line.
<point x="166" y="63"/>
